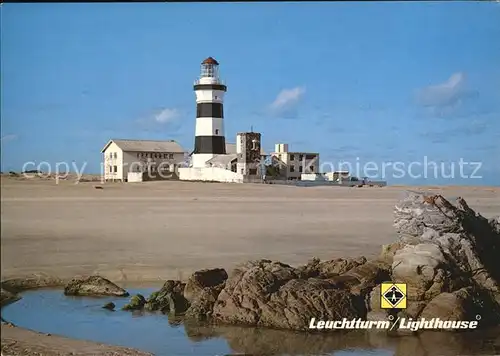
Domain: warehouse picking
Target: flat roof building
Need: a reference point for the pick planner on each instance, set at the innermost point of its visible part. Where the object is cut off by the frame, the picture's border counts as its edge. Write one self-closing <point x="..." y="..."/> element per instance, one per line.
<point x="296" y="163"/>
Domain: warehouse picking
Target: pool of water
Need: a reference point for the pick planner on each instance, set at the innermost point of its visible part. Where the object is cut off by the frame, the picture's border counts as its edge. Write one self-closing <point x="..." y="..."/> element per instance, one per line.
<point x="50" y="311"/>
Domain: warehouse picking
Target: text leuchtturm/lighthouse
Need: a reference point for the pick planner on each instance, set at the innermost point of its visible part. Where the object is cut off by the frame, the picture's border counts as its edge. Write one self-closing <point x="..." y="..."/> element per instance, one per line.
<point x="209" y="132"/>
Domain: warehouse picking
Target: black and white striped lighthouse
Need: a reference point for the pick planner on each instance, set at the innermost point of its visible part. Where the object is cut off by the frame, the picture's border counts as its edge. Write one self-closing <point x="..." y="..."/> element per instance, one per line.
<point x="210" y="90"/>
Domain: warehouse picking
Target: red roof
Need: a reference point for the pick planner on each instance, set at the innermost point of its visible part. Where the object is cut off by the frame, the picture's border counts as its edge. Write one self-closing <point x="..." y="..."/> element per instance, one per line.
<point x="210" y="60"/>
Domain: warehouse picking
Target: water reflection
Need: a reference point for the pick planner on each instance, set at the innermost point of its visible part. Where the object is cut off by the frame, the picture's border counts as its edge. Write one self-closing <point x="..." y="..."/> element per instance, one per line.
<point x="273" y="342"/>
<point x="50" y="311"/>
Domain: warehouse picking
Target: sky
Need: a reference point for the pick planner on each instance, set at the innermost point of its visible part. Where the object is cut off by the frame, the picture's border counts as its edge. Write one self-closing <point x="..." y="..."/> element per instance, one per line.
<point x="368" y="83"/>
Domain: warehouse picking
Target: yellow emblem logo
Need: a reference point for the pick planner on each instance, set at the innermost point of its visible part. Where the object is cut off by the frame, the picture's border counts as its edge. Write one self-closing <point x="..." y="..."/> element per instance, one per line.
<point x="393" y="295"/>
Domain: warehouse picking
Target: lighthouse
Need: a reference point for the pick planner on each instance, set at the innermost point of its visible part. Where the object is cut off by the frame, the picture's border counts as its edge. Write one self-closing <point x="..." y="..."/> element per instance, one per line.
<point x="209" y="133"/>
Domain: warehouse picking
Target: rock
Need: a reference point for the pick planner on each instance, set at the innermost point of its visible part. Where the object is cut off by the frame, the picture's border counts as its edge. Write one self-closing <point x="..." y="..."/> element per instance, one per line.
<point x="418" y="266"/>
<point x="454" y="306"/>
<point x="137" y="302"/>
<point x="93" y="286"/>
<point x="206" y="278"/>
<point x="202" y="306"/>
<point x="169" y="299"/>
<point x="338" y="266"/>
<point x="39" y="280"/>
<point x="456" y="248"/>
<point x="7" y="297"/>
<point x="389" y="250"/>
<point x="109" y="306"/>
<point x="266" y="293"/>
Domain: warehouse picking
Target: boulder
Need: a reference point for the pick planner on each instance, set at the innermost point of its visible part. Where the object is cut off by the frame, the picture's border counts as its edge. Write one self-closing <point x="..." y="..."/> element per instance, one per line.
<point x="206" y="278"/>
<point x="449" y="306"/>
<point x="366" y="276"/>
<point x="38" y="280"/>
<point x="266" y="293"/>
<point x="93" y="286"/>
<point x="419" y="266"/>
<point x="202" y="306"/>
<point x="169" y="299"/>
<point x="109" y="306"/>
<point x="137" y="302"/>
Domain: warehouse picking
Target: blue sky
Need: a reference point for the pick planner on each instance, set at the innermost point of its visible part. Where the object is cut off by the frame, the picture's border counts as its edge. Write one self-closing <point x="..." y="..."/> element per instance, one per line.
<point x="356" y="82"/>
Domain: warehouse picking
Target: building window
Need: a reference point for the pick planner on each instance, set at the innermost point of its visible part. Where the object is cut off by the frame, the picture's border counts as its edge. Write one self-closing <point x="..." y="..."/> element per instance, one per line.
<point x="300" y="169"/>
<point x="292" y="157"/>
<point x="115" y="169"/>
<point x="253" y="171"/>
<point x="110" y="169"/>
<point x="116" y="155"/>
<point x="292" y="169"/>
<point x="301" y="157"/>
<point x="311" y="168"/>
<point x="171" y="155"/>
<point x="138" y="155"/>
<point x="242" y="171"/>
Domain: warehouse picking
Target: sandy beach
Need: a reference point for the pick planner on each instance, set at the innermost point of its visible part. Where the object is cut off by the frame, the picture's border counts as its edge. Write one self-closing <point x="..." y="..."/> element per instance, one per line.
<point x="150" y="232"/>
<point x="158" y="230"/>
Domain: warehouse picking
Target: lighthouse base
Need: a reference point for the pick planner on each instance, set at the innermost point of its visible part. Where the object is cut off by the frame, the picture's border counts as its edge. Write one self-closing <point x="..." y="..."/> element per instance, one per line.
<point x="210" y="174"/>
<point x="199" y="160"/>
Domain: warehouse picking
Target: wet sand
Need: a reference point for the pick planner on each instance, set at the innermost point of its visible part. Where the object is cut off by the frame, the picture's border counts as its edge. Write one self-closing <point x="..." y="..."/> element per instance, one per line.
<point x="149" y="232"/>
<point x="21" y="342"/>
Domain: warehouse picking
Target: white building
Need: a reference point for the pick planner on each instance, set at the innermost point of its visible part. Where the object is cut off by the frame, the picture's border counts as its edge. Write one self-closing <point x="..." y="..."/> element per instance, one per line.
<point x="296" y="163"/>
<point x="136" y="156"/>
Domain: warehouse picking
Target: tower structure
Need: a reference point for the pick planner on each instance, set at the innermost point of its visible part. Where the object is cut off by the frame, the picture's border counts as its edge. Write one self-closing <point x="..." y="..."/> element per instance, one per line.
<point x="209" y="133"/>
<point x="248" y="148"/>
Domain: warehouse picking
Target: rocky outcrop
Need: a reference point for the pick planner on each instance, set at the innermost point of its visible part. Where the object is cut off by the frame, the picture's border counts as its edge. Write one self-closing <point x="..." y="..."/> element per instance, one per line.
<point x="169" y="299"/>
<point x="273" y="294"/>
<point x="137" y="302"/>
<point x="448" y="255"/>
<point x="445" y="255"/>
<point x="325" y="269"/>
<point x="93" y="286"/>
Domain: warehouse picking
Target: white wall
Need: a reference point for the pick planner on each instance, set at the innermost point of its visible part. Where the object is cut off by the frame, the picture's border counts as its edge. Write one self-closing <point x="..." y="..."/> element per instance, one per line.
<point x="110" y="162"/>
<point x="313" y="176"/>
<point x="212" y="174"/>
<point x="199" y="160"/>
<point x="134" y="177"/>
<point x="212" y="96"/>
<point x="207" y="126"/>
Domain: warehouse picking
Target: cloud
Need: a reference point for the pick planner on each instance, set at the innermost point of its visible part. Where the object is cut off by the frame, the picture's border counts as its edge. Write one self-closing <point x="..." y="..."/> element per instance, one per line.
<point x="166" y="116"/>
<point x="445" y="98"/>
<point x="286" y="102"/>
<point x="8" y="138"/>
<point x="163" y="116"/>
